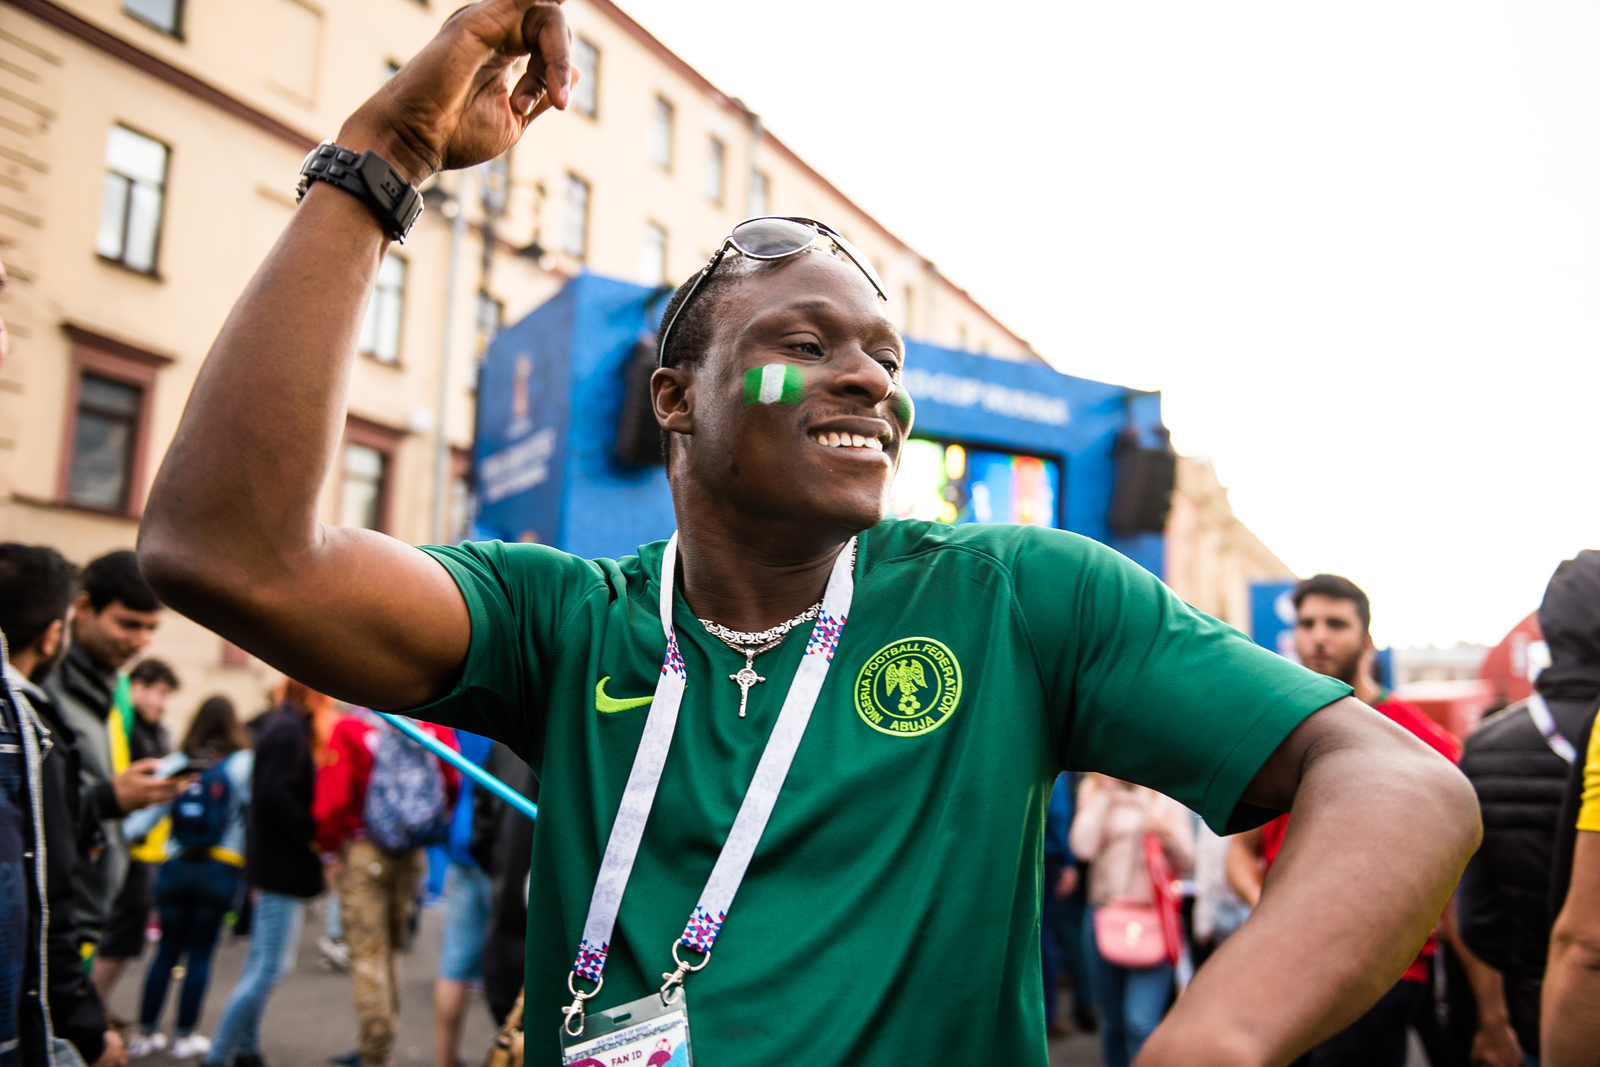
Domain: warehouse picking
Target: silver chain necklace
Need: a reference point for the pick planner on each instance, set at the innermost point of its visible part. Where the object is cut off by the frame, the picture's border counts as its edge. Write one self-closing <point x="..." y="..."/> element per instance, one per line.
<point x="752" y="645"/>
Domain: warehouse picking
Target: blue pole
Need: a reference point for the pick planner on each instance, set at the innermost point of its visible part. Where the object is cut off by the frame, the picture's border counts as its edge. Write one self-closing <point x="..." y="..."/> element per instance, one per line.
<point x="464" y="765"/>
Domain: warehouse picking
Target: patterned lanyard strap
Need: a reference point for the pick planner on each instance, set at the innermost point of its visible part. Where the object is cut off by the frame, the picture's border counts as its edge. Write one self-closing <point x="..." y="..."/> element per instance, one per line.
<point x="1540" y="712"/>
<point x="639" y="794"/>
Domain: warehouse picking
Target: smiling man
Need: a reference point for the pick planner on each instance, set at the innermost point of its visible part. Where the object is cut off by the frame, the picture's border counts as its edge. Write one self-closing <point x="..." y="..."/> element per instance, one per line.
<point x="796" y="759"/>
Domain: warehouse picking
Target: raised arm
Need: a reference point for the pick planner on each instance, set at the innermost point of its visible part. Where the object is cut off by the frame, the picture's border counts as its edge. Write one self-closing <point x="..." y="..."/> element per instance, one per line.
<point x="1382" y="827"/>
<point x="230" y="535"/>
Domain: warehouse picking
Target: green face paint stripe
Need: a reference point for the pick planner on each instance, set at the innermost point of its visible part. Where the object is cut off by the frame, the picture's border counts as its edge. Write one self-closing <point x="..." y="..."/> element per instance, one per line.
<point x="908" y="411"/>
<point x="772" y="384"/>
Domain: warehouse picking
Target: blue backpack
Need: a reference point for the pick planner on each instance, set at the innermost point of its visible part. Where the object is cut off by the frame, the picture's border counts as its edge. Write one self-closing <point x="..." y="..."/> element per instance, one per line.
<point x="200" y="813"/>
<point x="406" y="806"/>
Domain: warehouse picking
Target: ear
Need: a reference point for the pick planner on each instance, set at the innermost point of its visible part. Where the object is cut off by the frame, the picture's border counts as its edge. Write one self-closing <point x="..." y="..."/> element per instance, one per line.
<point x="49" y="643"/>
<point x="672" y="396"/>
<point x="83" y="605"/>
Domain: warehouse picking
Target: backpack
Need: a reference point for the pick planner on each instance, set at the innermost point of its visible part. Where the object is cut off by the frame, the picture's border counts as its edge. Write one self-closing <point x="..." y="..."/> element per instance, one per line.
<point x="200" y="813"/>
<point x="406" y="806"/>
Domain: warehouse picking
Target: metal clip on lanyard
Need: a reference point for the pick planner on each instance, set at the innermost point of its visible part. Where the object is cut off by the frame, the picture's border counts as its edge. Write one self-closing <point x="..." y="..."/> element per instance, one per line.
<point x="639" y="794"/>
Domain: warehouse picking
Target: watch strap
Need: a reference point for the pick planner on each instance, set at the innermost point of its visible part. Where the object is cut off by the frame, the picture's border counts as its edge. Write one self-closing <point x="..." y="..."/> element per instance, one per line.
<point x="369" y="178"/>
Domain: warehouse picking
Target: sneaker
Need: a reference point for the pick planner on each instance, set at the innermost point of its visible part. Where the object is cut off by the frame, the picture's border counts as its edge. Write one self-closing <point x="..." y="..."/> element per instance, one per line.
<point x="248" y="1059"/>
<point x="335" y="954"/>
<point x="190" y="1045"/>
<point x="349" y="1059"/>
<point x="141" y="1045"/>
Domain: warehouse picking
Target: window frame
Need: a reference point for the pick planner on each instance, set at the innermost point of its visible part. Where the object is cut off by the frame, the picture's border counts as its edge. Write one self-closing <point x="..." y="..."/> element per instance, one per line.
<point x="176" y="32"/>
<point x="574" y="178"/>
<point x="126" y="364"/>
<point x="385" y="440"/>
<point x="662" y="107"/>
<point x="398" y="362"/>
<point x="762" y="180"/>
<point x="716" y="152"/>
<point x="593" y="79"/>
<point x="121" y="261"/>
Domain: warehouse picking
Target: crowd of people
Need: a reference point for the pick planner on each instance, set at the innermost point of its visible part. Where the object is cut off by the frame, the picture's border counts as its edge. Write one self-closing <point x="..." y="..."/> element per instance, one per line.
<point x="1141" y="892"/>
<point x="238" y="825"/>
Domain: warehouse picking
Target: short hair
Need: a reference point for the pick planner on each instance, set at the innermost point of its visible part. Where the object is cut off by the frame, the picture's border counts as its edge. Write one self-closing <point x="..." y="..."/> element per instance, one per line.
<point x="115" y="577"/>
<point x="1338" y="588"/>
<point x="37" y="585"/>
<point x="154" y="672"/>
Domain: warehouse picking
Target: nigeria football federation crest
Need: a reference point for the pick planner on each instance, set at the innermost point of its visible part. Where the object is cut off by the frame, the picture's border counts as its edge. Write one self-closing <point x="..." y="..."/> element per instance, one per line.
<point x="909" y="687"/>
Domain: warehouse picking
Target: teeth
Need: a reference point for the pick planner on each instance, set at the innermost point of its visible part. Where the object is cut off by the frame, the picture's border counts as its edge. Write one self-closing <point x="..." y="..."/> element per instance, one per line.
<point x="847" y="440"/>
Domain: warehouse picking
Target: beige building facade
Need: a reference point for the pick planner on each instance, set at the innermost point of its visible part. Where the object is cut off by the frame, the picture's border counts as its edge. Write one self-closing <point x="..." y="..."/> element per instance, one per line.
<point x="149" y="151"/>
<point x="1212" y="557"/>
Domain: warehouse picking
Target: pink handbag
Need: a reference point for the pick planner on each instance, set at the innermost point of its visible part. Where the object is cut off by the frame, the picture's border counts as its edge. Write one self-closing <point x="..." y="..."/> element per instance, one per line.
<point x="1130" y="935"/>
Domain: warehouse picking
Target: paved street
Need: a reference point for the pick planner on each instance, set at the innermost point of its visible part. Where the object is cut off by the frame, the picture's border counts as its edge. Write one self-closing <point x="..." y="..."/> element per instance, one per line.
<point x="311" y="1015"/>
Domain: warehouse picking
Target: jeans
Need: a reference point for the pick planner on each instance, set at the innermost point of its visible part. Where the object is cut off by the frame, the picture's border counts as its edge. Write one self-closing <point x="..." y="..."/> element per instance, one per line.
<point x="272" y="948"/>
<point x="1132" y="1002"/>
<point x="466" y="922"/>
<point x="192" y="896"/>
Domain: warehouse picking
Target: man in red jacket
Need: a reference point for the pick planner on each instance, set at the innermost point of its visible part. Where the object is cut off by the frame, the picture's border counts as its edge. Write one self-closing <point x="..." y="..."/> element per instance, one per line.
<point x="1332" y="637"/>
<point x="376" y="888"/>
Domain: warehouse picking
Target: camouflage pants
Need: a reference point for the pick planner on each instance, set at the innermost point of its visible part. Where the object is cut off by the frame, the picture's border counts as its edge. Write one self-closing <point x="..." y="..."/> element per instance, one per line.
<point x="376" y="892"/>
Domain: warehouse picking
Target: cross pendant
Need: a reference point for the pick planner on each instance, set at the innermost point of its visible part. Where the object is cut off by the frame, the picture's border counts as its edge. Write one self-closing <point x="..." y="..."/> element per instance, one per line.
<point x="746" y="677"/>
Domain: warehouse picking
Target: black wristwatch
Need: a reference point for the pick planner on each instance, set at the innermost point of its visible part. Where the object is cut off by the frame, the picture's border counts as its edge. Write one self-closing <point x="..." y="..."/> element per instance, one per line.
<point x="370" y="179"/>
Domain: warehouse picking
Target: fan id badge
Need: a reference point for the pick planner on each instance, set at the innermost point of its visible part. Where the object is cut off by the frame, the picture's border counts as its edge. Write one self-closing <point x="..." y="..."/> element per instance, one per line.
<point x="652" y="1031"/>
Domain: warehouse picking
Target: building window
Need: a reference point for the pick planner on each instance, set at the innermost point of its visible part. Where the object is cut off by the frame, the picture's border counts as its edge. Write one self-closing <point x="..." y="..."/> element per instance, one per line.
<point x="366" y="471"/>
<point x="164" y="15"/>
<point x="586" y="94"/>
<point x="575" y="218"/>
<point x="653" y="255"/>
<point x="102" y="442"/>
<point x="760" y="194"/>
<point x="380" y="329"/>
<point x="716" y="158"/>
<point x="911" y="307"/>
<point x="107" y="422"/>
<point x="491" y="314"/>
<point x="131" y="201"/>
<point x="661" y="134"/>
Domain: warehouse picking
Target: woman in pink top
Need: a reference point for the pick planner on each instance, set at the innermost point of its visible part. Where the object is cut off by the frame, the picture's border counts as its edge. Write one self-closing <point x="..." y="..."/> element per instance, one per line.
<point x="1108" y="833"/>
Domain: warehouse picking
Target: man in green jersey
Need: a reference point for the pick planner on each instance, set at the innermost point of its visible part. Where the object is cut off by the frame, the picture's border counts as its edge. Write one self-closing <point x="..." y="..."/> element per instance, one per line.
<point x="890" y="911"/>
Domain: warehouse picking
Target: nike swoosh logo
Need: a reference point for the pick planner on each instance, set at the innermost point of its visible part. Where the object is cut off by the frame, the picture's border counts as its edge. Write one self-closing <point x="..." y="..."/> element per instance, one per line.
<point x="608" y="705"/>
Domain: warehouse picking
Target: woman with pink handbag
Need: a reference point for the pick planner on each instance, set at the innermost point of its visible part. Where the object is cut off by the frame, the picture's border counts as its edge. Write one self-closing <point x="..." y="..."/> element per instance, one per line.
<point x="1135" y="841"/>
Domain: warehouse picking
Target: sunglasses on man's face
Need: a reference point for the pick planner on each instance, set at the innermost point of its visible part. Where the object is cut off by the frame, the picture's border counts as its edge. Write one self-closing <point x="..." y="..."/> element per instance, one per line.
<point x="770" y="238"/>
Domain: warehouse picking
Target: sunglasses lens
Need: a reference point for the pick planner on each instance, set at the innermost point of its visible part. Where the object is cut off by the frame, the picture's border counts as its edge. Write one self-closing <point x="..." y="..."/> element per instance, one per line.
<point x="771" y="238"/>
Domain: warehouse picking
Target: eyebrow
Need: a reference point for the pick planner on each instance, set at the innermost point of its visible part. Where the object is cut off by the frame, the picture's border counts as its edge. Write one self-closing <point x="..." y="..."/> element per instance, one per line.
<point x="881" y="324"/>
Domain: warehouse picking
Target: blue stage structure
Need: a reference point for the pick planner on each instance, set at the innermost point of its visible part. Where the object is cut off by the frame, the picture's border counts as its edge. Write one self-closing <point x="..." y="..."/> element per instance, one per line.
<point x="1028" y="440"/>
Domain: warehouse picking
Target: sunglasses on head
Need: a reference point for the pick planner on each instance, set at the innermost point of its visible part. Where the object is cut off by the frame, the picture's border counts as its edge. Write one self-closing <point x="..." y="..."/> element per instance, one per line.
<point x="770" y="237"/>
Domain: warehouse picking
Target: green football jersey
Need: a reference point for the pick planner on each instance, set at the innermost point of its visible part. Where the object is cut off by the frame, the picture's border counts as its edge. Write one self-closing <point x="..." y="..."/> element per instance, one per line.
<point x="891" y="912"/>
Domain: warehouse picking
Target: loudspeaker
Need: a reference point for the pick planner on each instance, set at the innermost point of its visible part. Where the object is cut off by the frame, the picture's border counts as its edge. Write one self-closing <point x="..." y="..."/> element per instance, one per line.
<point x="638" y="433"/>
<point x="1143" y="494"/>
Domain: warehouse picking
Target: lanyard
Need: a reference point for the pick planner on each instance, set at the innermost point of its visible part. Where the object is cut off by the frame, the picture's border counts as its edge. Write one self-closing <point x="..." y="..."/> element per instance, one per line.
<point x="1540" y="713"/>
<point x="639" y="794"/>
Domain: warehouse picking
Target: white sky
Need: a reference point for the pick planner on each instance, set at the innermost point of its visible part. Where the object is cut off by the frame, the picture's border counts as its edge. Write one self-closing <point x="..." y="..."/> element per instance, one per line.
<point x="1356" y="246"/>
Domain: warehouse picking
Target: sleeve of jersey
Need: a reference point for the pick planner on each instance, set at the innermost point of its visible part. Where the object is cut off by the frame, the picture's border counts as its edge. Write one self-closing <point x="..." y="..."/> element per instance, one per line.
<point x="1143" y="687"/>
<point x="517" y="597"/>
<point x="1589" y="810"/>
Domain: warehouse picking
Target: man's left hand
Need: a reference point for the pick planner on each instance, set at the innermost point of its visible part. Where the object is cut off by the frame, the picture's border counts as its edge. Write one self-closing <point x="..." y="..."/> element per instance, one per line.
<point x="115" y="1054"/>
<point x="1495" y="1045"/>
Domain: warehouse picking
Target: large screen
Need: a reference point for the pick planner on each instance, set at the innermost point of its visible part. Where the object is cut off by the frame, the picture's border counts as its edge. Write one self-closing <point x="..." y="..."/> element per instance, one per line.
<point x="954" y="483"/>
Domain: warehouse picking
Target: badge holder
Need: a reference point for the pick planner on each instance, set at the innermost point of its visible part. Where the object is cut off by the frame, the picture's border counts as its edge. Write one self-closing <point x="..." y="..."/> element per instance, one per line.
<point x="652" y="1031"/>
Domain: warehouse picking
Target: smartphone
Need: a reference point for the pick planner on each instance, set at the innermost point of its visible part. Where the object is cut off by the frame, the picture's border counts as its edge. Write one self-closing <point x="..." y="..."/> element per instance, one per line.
<point x="174" y="763"/>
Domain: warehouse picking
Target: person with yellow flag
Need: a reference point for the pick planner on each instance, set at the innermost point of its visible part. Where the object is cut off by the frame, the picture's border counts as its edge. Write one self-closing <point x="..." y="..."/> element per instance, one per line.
<point x="137" y="732"/>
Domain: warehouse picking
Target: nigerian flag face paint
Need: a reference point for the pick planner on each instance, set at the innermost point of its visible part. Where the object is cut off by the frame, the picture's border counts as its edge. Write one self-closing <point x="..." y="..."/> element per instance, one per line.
<point x="906" y="410"/>
<point x="773" y="384"/>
